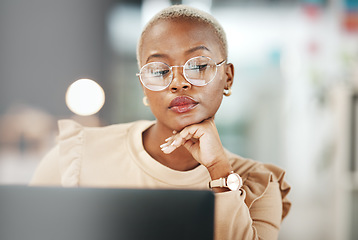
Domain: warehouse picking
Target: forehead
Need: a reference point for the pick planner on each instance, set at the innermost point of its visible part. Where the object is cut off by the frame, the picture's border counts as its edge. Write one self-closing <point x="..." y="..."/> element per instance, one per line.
<point x="175" y="37"/>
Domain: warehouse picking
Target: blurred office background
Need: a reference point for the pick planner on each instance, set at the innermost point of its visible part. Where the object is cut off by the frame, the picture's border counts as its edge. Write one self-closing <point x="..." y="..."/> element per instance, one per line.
<point x="294" y="101"/>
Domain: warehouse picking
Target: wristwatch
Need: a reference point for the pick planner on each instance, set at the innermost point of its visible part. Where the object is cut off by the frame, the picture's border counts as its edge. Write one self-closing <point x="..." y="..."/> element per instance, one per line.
<point x="233" y="182"/>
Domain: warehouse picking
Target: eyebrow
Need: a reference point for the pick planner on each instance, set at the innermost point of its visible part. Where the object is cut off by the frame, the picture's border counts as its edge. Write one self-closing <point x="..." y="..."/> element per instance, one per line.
<point x="194" y="49"/>
<point x="157" y="55"/>
<point x="201" y="47"/>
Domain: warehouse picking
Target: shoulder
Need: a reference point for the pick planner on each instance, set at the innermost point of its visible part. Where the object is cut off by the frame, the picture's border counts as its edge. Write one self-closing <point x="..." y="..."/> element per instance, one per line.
<point x="257" y="177"/>
<point x="68" y="127"/>
<point x="76" y="141"/>
<point x="73" y="136"/>
<point x="73" y="132"/>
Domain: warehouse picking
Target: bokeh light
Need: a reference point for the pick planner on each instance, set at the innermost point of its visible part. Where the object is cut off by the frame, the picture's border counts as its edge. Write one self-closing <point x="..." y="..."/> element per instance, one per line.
<point x="85" y="97"/>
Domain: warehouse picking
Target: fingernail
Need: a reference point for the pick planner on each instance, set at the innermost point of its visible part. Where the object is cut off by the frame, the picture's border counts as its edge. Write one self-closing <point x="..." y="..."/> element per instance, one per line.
<point x="172" y="144"/>
<point x="165" y="150"/>
<point x="163" y="145"/>
<point x="168" y="138"/>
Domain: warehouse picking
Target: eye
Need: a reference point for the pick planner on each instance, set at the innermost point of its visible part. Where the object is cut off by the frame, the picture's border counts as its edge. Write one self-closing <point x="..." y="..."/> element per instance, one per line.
<point x="159" y="73"/>
<point x="200" y="67"/>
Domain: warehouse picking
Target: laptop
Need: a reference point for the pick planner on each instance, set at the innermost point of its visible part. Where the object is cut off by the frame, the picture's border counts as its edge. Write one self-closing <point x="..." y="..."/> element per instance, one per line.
<point x="53" y="213"/>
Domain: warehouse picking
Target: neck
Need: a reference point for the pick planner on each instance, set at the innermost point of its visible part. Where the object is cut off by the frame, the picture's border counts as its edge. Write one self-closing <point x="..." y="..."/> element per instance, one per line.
<point x="180" y="159"/>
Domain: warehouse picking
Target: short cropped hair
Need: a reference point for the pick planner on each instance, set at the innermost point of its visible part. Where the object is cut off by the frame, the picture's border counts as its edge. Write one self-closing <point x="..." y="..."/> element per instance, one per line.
<point x="186" y="12"/>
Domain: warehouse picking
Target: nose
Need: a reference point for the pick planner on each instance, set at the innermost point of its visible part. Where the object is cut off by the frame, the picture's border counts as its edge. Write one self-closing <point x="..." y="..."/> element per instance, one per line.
<point x="179" y="82"/>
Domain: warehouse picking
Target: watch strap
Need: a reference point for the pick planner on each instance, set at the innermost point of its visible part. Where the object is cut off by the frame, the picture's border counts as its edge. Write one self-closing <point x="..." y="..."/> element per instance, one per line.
<point x="221" y="182"/>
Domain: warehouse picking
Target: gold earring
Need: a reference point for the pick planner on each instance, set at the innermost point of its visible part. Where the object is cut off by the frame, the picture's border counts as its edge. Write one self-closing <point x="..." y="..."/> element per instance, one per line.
<point x="145" y="101"/>
<point x="227" y="92"/>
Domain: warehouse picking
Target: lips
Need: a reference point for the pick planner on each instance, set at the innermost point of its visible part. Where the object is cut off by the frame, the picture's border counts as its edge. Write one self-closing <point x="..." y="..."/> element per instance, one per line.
<point x="182" y="104"/>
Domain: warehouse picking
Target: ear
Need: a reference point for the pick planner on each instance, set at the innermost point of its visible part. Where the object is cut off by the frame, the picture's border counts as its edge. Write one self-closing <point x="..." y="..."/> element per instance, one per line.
<point x="229" y="71"/>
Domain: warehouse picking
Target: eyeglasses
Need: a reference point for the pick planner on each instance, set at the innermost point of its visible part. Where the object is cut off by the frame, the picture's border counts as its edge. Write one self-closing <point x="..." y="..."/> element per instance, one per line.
<point x="198" y="71"/>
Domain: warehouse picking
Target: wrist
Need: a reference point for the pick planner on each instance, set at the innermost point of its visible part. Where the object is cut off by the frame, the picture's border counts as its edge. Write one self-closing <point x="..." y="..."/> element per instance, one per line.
<point x="219" y="169"/>
<point x="233" y="182"/>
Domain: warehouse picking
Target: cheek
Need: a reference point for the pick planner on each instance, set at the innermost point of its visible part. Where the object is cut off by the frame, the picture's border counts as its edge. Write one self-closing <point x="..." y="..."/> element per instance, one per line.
<point x="155" y="100"/>
<point x="212" y="99"/>
<point x="216" y="101"/>
<point x="215" y="95"/>
<point x="216" y="90"/>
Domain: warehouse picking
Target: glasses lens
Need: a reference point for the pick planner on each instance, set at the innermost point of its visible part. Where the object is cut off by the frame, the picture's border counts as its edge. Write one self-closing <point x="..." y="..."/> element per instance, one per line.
<point x="155" y="76"/>
<point x="200" y="71"/>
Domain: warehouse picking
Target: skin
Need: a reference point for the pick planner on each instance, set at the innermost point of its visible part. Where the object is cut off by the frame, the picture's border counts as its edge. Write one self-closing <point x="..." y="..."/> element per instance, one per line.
<point x="195" y="139"/>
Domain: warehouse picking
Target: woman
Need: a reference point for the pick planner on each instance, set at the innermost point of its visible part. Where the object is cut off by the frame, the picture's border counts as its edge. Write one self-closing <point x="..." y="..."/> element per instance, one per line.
<point x="184" y="73"/>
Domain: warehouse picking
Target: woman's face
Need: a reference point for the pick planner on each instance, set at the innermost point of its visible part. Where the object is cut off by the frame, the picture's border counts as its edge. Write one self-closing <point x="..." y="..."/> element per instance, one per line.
<point x="174" y="42"/>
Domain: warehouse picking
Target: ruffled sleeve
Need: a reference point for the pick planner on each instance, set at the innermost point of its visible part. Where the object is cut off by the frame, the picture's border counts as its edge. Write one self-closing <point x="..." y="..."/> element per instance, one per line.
<point x="70" y="151"/>
<point x="258" y="180"/>
<point x="258" y="211"/>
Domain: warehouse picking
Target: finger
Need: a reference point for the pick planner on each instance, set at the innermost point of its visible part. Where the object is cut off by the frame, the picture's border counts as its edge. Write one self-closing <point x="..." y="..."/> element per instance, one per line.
<point x="169" y="141"/>
<point x="165" y="145"/>
<point x="191" y="132"/>
<point x="172" y="143"/>
<point x="178" y="139"/>
<point x="188" y="145"/>
<point x="168" y="149"/>
<point x="169" y="138"/>
<point x="185" y="138"/>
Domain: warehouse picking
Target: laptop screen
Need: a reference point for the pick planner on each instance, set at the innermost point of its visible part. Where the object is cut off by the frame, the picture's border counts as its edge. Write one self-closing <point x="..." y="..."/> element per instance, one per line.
<point x="51" y="213"/>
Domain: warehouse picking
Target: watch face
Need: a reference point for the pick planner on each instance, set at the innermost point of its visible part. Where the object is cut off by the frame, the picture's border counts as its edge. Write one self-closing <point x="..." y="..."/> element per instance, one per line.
<point x="234" y="181"/>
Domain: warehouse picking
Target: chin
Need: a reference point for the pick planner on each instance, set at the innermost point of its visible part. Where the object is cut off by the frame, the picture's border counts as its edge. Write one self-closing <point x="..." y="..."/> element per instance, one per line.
<point x="184" y="122"/>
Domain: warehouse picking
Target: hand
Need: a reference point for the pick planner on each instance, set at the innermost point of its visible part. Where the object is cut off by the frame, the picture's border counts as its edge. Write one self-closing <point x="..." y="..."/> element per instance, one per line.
<point x="201" y="140"/>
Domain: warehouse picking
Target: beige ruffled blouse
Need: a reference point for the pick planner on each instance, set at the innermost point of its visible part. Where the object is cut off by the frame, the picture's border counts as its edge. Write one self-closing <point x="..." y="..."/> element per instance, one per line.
<point x="114" y="156"/>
